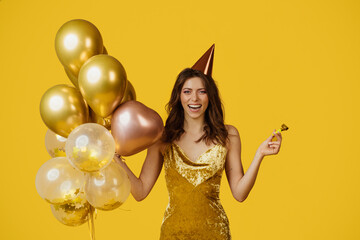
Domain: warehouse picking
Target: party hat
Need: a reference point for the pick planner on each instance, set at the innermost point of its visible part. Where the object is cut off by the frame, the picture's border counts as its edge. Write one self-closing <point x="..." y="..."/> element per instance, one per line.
<point x="205" y="63"/>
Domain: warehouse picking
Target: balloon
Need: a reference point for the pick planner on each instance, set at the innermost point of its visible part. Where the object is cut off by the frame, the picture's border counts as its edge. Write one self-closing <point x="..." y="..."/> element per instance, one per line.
<point x="74" y="78"/>
<point x="109" y="188"/>
<point x="103" y="121"/>
<point x="55" y="144"/>
<point x="105" y="51"/>
<point x="58" y="182"/>
<point x="73" y="213"/>
<point x="62" y="109"/>
<point x="90" y="147"/>
<point x="135" y="127"/>
<point x="129" y="93"/>
<point x="76" y="41"/>
<point x="102" y="82"/>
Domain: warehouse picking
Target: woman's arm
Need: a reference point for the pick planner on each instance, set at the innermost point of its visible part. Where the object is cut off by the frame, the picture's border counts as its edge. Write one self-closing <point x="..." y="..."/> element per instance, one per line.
<point x="141" y="187"/>
<point x="240" y="183"/>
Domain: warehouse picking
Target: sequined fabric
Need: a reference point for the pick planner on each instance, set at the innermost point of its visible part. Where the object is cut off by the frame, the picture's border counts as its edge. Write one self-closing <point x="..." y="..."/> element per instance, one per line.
<point x="194" y="210"/>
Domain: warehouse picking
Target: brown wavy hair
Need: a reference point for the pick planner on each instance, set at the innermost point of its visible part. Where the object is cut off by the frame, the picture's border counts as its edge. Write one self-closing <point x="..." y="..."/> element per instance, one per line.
<point x="214" y="129"/>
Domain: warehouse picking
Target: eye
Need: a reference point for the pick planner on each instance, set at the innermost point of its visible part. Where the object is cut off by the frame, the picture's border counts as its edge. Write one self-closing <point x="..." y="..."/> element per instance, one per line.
<point x="186" y="91"/>
<point x="203" y="91"/>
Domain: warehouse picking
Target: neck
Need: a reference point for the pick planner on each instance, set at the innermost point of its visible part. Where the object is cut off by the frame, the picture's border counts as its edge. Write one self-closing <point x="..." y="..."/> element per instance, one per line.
<point x="194" y="126"/>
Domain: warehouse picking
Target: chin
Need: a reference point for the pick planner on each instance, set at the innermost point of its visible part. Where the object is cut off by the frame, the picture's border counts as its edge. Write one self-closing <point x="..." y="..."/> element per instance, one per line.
<point x="195" y="115"/>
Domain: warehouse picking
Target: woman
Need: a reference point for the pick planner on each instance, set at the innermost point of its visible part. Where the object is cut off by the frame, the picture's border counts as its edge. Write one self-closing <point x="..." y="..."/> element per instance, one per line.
<point x="195" y="148"/>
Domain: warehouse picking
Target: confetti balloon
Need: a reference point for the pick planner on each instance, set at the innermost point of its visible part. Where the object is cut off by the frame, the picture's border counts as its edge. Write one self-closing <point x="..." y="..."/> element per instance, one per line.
<point x="58" y="182"/>
<point x="109" y="188"/>
<point x="55" y="144"/>
<point x="90" y="147"/>
<point x="74" y="213"/>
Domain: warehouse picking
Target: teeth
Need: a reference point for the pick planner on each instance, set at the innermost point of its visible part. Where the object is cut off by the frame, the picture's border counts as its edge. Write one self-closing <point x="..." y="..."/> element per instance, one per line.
<point x="195" y="106"/>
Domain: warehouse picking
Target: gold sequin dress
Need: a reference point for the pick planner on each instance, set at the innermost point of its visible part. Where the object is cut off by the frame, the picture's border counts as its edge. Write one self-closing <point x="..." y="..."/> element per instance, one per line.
<point x="194" y="211"/>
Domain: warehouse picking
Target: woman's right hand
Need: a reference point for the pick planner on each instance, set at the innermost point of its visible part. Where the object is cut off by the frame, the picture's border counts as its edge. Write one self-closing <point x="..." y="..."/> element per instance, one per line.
<point x="118" y="158"/>
<point x="142" y="185"/>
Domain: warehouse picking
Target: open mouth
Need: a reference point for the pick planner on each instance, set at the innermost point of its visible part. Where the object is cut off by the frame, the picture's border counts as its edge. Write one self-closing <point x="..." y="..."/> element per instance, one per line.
<point x="194" y="106"/>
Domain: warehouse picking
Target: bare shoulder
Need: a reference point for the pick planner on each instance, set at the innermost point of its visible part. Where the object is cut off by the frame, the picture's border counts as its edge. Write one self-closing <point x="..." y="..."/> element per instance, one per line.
<point x="159" y="146"/>
<point x="232" y="130"/>
<point x="162" y="146"/>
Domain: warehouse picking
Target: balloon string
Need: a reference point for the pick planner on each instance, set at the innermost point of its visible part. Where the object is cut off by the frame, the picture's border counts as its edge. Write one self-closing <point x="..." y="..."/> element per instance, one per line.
<point x="91" y="223"/>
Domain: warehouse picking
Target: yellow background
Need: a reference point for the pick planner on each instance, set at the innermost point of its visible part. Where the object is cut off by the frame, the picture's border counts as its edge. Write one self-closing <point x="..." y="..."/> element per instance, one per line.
<point x="293" y="62"/>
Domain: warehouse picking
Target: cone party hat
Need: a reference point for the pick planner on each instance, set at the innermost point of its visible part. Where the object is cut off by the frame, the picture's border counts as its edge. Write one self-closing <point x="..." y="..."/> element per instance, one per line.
<point x="205" y="63"/>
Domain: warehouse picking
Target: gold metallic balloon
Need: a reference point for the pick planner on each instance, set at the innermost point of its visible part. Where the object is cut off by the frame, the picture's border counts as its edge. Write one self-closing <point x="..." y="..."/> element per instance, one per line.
<point x="74" y="213"/>
<point x="58" y="182"/>
<point x="62" y="109"/>
<point x="135" y="127"/>
<point x="103" y="121"/>
<point x="105" y="50"/>
<point x="74" y="78"/>
<point x="129" y="93"/>
<point x="55" y="144"/>
<point x="76" y="41"/>
<point x="108" y="188"/>
<point x="90" y="147"/>
<point x="102" y="82"/>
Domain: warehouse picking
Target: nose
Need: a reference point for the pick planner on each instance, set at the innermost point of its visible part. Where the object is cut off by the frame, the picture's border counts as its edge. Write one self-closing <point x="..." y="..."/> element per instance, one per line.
<point x="194" y="97"/>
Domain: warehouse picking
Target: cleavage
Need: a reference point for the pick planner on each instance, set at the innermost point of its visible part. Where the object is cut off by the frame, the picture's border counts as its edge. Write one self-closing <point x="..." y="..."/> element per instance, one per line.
<point x="194" y="151"/>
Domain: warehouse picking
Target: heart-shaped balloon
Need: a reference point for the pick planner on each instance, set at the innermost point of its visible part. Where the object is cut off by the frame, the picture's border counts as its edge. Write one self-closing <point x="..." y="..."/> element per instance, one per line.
<point x="135" y="127"/>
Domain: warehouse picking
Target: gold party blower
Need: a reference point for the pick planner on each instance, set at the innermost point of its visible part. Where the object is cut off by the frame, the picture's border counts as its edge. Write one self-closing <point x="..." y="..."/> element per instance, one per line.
<point x="283" y="128"/>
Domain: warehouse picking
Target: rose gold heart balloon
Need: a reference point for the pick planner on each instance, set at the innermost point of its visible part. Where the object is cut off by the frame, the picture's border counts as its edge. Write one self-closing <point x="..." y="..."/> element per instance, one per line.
<point x="135" y="127"/>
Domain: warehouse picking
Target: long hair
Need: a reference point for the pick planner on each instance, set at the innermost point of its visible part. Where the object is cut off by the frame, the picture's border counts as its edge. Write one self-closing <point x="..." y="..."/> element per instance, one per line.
<point x="214" y="129"/>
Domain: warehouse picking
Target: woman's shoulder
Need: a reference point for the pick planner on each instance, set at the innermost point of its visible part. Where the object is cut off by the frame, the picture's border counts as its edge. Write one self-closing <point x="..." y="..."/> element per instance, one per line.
<point x="233" y="136"/>
<point x="163" y="147"/>
<point x="232" y="131"/>
<point x="159" y="146"/>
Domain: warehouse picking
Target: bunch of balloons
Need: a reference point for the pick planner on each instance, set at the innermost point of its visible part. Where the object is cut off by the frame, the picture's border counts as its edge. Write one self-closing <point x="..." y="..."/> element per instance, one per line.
<point x="82" y="175"/>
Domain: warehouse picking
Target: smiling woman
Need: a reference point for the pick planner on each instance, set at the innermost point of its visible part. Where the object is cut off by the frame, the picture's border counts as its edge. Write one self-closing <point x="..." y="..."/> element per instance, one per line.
<point x="195" y="149"/>
<point x="193" y="97"/>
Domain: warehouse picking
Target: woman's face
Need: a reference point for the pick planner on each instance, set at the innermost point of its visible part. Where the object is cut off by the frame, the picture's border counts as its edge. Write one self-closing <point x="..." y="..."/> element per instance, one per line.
<point x="194" y="98"/>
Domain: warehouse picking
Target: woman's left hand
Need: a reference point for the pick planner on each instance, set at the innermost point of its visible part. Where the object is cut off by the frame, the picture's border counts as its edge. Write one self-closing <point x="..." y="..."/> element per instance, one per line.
<point x="269" y="147"/>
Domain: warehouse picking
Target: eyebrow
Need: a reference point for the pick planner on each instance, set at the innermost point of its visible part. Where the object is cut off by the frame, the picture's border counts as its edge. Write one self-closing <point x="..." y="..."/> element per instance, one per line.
<point x="192" y="89"/>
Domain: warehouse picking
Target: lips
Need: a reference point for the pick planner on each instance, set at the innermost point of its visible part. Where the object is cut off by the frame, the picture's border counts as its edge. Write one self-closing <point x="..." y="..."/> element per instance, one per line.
<point x="194" y="106"/>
